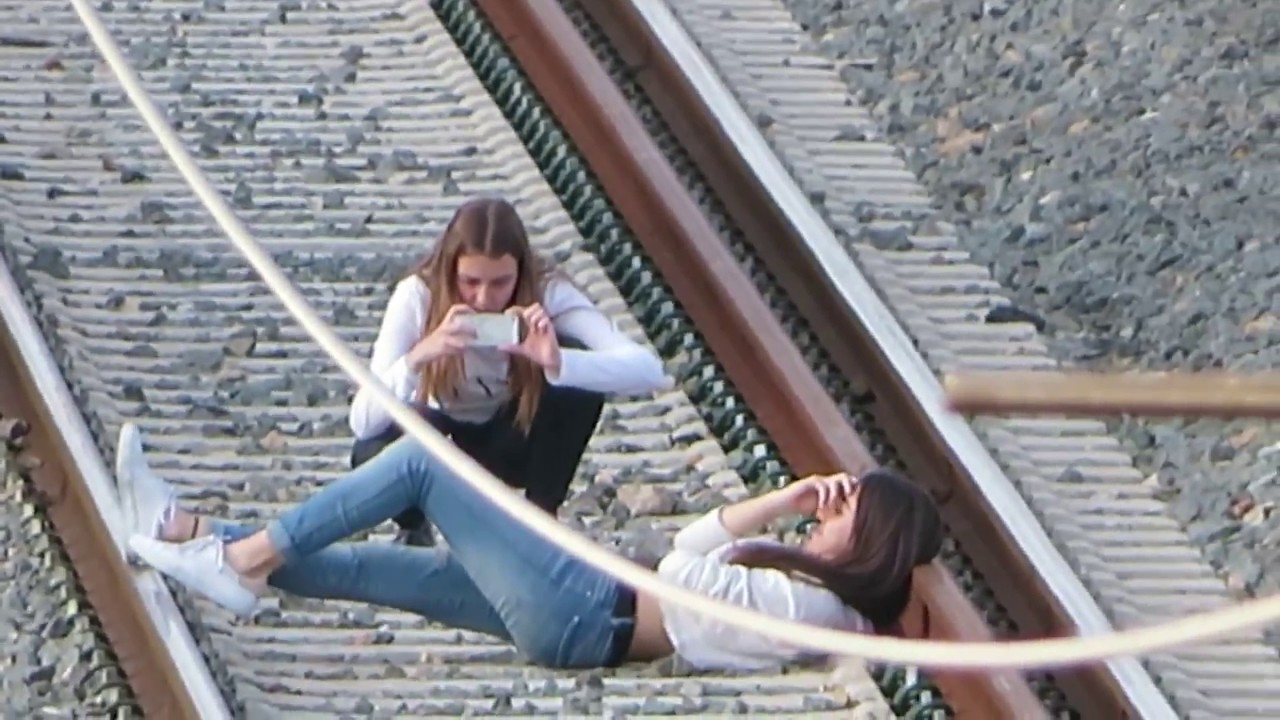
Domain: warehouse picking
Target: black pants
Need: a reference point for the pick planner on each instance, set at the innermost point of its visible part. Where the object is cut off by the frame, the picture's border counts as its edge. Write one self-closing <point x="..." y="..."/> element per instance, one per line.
<point x="542" y="463"/>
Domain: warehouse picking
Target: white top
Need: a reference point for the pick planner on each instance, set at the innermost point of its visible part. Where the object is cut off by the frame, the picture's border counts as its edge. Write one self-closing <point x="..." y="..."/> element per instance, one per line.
<point x="613" y="364"/>
<point x="697" y="563"/>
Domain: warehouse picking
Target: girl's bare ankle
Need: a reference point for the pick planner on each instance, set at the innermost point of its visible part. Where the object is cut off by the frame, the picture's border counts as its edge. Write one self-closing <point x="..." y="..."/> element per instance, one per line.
<point x="253" y="558"/>
<point x="181" y="527"/>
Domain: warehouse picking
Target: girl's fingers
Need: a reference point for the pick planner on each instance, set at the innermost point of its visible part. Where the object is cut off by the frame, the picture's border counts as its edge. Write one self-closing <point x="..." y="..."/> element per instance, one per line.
<point x="837" y="489"/>
<point x="538" y="319"/>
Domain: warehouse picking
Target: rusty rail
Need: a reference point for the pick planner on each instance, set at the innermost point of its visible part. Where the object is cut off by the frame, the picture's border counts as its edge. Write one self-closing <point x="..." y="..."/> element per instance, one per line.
<point x="748" y="341"/>
<point x="1015" y="580"/>
<point x="138" y="615"/>
<point x="103" y="572"/>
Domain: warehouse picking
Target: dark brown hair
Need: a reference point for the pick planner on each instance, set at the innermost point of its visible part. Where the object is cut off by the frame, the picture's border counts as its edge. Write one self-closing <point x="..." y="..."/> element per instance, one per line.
<point x="896" y="527"/>
<point x="492" y="228"/>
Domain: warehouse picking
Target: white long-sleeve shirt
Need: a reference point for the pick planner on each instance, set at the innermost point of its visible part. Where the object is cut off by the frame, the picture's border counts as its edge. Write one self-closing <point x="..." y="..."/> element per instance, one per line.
<point x="611" y="364"/>
<point x="696" y="562"/>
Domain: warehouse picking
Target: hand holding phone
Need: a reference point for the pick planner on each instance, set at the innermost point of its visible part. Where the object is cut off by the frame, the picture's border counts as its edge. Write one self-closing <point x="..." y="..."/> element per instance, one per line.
<point x="452" y="336"/>
<point x="539" y="343"/>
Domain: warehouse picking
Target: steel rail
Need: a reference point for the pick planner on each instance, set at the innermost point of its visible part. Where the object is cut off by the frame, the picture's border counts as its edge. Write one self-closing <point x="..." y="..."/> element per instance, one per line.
<point x="867" y="343"/>
<point x="139" y="616"/>
<point x="746" y="338"/>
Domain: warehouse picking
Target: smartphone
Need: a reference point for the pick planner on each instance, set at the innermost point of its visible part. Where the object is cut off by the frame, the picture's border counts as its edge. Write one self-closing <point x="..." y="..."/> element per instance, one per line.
<point x="494" y="329"/>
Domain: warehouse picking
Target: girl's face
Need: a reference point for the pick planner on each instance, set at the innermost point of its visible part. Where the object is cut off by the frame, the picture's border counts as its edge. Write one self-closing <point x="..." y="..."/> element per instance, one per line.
<point x="487" y="284"/>
<point x="833" y="536"/>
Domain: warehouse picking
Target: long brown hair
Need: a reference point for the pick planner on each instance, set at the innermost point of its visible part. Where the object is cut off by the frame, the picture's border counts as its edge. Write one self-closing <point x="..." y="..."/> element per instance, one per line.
<point x="896" y="527"/>
<point x="492" y="228"/>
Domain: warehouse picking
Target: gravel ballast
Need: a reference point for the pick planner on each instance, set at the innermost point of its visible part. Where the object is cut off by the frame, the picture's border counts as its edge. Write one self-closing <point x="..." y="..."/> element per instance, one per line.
<point x="55" y="661"/>
<point x="1116" y="166"/>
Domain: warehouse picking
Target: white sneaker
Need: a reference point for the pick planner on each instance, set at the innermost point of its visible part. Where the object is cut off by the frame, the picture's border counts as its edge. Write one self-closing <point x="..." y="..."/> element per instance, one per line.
<point x="199" y="565"/>
<point x="148" y="500"/>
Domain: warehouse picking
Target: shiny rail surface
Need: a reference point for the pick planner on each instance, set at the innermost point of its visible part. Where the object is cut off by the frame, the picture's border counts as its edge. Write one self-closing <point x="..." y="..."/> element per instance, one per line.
<point x="345" y="135"/>
<point x="857" y="232"/>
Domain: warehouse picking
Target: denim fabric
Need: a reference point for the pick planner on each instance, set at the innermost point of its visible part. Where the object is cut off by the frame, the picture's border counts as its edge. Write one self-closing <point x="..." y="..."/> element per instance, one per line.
<point x="495" y="576"/>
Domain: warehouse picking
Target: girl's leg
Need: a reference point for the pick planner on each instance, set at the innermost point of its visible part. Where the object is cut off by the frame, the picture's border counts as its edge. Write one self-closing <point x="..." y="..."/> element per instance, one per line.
<point x="425" y="581"/>
<point x="497" y="445"/>
<point x="375" y="573"/>
<point x="362" y="451"/>
<point x="544" y="461"/>
<point x="414" y="528"/>
<point x="558" y="611"/>
<point x="564" y="424"/>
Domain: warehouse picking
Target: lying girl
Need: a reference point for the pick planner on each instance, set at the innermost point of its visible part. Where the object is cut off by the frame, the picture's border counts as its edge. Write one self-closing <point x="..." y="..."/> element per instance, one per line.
<point x="853" y="572"/>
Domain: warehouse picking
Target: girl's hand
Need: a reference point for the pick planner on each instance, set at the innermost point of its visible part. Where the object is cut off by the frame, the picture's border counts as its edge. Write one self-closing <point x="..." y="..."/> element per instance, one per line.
<point x="815" y="493"/>
<point x="451" y="337"/>
<point x="539" y="344"/>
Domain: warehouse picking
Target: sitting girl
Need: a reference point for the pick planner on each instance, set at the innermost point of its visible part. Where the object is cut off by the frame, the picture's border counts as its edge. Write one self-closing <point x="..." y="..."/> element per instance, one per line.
<point x="524" y="411"/>
<point x="853" y="572"/>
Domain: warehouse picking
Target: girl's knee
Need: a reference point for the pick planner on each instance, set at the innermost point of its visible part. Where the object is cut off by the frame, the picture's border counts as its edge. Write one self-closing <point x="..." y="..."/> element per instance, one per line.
<point x="407" y="450"/>
<point x="416" y="465"/>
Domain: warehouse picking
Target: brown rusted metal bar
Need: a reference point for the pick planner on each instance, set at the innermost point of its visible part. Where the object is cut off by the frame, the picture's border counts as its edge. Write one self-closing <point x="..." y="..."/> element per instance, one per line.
<point x="99" y="566"/>
<point x="674" y="232"/>
<point x="748" y="341"/>
<point x="1153" y="394"/>
<point x="1012" y="577"/>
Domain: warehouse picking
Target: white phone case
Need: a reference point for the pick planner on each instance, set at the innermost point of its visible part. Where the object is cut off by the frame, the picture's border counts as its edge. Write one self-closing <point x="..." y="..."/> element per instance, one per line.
<point x="495" y="330"/>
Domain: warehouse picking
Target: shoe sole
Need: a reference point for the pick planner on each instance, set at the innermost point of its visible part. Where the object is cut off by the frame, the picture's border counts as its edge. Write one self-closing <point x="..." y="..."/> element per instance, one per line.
<point x="129" y="434"/>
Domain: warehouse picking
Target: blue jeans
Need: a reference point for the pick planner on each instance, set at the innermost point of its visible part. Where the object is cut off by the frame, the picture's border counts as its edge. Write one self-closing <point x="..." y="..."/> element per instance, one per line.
<point x="495" y="576"/>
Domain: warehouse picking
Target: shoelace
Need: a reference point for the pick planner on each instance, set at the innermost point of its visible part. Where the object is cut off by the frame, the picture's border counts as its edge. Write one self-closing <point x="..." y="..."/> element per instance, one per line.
<point x="219" y="554"/>
<point x="219" y="559"/>
<point x="169" y="513"/>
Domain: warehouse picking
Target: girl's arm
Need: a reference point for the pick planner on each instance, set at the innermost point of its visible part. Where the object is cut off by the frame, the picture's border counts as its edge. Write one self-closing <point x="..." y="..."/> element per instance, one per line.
<point x="731" y="522"/>
<point x="613" y="363"/>
<point x="402" y="327"/>
<point x="805" y="496"/>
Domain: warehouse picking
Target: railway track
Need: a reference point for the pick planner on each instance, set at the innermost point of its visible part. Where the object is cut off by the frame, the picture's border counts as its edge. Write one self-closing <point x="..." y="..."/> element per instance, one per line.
<point x="345" y="134"/>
